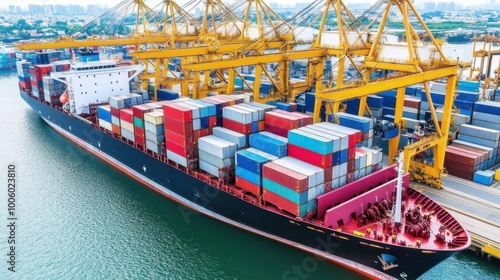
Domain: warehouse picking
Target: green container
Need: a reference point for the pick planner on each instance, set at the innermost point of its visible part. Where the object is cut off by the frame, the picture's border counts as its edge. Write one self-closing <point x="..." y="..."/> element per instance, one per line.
<point x="138" y="122"/>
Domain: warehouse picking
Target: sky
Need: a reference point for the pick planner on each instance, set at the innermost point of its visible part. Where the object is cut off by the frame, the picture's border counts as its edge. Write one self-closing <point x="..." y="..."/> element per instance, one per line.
<point x="111" y="3"/>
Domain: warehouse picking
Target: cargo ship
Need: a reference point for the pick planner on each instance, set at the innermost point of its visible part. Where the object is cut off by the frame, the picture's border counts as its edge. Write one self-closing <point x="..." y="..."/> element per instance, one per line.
<point x="264" y="168"/>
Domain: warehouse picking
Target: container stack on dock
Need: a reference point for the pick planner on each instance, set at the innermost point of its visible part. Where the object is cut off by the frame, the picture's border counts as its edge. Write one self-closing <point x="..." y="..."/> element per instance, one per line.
<point x="476" y="149"/>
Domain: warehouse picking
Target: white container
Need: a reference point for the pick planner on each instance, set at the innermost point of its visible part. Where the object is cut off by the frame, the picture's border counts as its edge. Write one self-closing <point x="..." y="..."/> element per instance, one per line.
<point x="216" y="161"/>
<point x="154" y="117"/>
<point x="217" y="146"/>
<point x="127" y="126"/>
<point x="237" y="115"/>
<point x="105" y="124"/>
<point x="232" y="136"/>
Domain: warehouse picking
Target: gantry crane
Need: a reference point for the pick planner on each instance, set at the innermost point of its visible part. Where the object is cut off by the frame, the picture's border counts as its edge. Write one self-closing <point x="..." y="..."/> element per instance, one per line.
<point x="484" y="56"/>
<point x="410" y="71"/>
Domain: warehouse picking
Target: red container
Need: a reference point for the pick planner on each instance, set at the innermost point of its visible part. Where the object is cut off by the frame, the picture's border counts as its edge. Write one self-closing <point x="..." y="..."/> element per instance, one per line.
<point x="139" y="131"/>
<point x="174" y="147"/>
<point x="285" y="177"/>
<point x="328" y="174"/>
<point x="139" y="140"/>
<point x="412" y="102"/>
<point x="179" y="139"/>
<point x="183" y="128"/>
<point x="226" y="99"/>
<point x="238" y="127"/>
<point x="215" y="100"/>
<point x="481" y="154"/>
<point x="459" y="166"/>
<point x="115" y="112"/>
<point x="281" y="202"/>
<point x="351" y="153"/>
<point x="304" y="119"/>
<point x="248" y="186"/>
<point x="140" y="110"/>
<point x="127" y="115"/>
<point x="276" y="130"/>
<point x="462" y="156"/>
<point x="116" y="129"/>
<point x="177" y="112"/>
<point x="311" y="157"/>
<point x="460" y="173"/>
<point x="281" y="120"/>
<point x="212" y="121"/>
<point x="350" y="165"/>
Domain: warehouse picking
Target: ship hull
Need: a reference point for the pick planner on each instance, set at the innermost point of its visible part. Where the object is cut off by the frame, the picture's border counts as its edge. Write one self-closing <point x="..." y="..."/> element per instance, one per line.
<point x="194" y="195"/>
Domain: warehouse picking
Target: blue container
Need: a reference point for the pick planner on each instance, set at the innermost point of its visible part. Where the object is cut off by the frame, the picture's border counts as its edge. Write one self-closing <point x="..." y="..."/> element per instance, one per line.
<point x="204" y="122"/>
<point x="469" y="85"/>
<point x="250" y="161"/>
<point x="301" y="107"/>
<point x="464" y="105"/>
<point x="248" y="175"/>
<point x="166" y="94"/>
<point x="356" y="122"/>
<point x="483" y="177"/>
<point x="268" y="144"/>
<point x="289" y="194"/>
<point x="437" y="98"/>
<point x="488" y="107"/>
<point x="284" y="106"/>
<point x="255" y="127"/>
<point x="212" y="109"/>
<point x="310" y="142"/>
<point x="336" y="158"/>
<point x="352" y="106"/>
<point x="468" y="96"/>
<point x="375" y="101"/>
<point x="104" y="114"/>
<point x="344" y="156"/>
<point x="310" y="99"/>
<point x="390" y="93"/>
<point x="389" y="102"/>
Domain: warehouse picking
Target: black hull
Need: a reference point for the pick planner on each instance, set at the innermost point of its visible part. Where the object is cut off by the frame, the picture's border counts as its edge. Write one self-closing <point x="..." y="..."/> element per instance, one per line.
<point x="346" y="249"/>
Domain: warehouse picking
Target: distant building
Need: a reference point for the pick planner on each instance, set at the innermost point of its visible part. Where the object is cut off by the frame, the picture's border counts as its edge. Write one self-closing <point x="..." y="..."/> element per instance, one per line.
<point x="429" y="6"/>
<point x="446" y="6"/>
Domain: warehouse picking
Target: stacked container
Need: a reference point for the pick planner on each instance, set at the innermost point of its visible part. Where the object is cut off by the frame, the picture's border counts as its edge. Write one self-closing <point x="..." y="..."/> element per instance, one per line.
<point x="217" y="156"/>
<point x="36" y="77"/>
<point x="104" y="117"/>
<point x="127" y="124"/>
<point x="486" y="137"/>
<point x="364" y="124"/>
<point x="186" y="121"/>
<point x="139" y="112"/>
<point x="249" y="166"/>
<point x="280" y="122"/>
<point x="269" y="143"/>
<point x="292" y="185"/>
<point x="411" y="108"/>
<point x="23" y="74"/>
<point x="119" y="102"/>
<point x="52" y="90"/>
<point x="154" y="130"/>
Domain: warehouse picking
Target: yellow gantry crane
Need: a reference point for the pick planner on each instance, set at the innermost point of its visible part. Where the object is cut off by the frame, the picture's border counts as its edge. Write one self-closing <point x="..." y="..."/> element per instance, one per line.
<point x="485" y="48"/>
<point x="413" y="70"/>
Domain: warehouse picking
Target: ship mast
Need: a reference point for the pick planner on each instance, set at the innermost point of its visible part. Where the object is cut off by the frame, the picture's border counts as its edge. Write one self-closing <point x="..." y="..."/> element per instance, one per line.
<point x="399" y="189"/>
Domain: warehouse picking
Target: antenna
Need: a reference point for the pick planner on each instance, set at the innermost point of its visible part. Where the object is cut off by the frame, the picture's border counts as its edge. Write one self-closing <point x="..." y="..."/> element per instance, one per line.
<point x="399" y="188"/>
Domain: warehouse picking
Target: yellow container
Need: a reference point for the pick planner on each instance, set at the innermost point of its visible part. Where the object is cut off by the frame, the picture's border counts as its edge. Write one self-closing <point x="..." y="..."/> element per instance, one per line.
<point x="497" y="175"/>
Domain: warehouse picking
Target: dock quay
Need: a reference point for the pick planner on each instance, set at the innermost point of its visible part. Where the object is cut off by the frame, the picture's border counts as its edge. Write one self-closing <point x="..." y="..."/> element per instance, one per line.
<point x="476" y="206"/>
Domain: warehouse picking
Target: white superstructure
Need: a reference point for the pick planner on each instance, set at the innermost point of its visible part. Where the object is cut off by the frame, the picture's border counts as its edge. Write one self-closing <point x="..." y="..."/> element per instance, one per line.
<point x="94" y="82"/>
